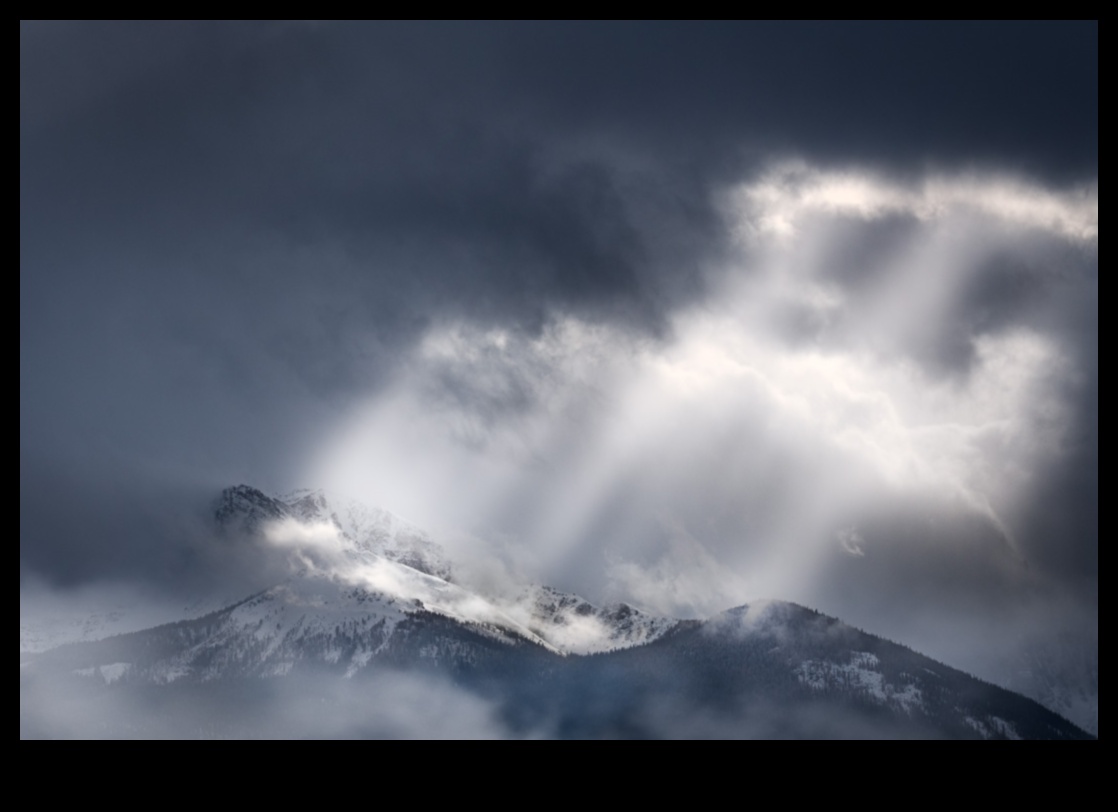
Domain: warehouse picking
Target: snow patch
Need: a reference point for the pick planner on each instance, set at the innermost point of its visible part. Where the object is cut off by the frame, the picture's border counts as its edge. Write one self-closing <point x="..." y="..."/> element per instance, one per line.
<point x="115" y="672"/>
<point x="1005" y="729"/>
<point x="360" y="660"/>
<point x="172" y="674"/>
<point x="326" y="555"/>
<point x="993" y="728"/>
<point x="338" y="543"/>
<point x="351" y="612"/>
<point x="861" y="676"/>
<point x="372" y="530"/>
<point x="279" y="669"/>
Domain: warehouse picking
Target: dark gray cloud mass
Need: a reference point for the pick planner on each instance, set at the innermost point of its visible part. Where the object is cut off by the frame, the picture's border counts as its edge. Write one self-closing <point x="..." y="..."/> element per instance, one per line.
<point x="234" y="237"/>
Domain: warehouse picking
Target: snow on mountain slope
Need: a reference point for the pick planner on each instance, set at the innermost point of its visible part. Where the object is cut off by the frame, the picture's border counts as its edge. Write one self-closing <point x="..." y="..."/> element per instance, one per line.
<point x="771" y="671"/>
<point x="568" y="623"/>
<point x="862" y="675"/>
<point x="372" y="529"/>
<point x="312" y="618"/>
<point x="246" y="510"/>
<point x="574" y="625"/>
<point x="339" y="541"/>
<point x="339" y="575"/>
<point x="426" y="592"/>
<point x="305" y="618"/>
<point x="242" y="510"/>
<point x="791" y="648"/>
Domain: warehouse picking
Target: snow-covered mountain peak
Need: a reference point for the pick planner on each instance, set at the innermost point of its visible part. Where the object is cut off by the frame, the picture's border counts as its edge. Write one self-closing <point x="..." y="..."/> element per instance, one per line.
<point x="245" y="509"/>
<point x="358" y="555"/>
<point x="346" y="538"/>
<point x="372" y="529"/>
<point x="379" y="531"/>
<point x="565" y="622"/>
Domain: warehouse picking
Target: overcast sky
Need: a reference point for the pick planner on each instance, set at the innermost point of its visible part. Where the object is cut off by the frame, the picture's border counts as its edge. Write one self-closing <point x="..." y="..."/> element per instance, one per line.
<point x="684" y="314"/>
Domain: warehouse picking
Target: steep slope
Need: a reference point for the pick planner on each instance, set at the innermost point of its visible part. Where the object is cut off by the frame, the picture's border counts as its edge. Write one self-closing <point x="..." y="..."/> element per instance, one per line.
<point x="306" y="623"/>
<point x="306" y="659"/>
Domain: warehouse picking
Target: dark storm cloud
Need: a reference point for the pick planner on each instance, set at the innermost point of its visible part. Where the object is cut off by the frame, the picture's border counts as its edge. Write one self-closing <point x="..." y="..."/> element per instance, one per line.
<point x="364" y="138"/>
<point x="108" y="524"/>
<point x="879" y="91"/>
<point x="507" y="145"/>
<point x="500" y="168"/>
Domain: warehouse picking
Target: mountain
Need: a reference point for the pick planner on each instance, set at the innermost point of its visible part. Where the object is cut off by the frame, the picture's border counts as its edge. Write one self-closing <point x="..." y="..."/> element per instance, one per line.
<point x="374" y="548"/>
<point x="777" y="670"/>
<point x="370" y="630"/>
<point x="769" y="671"/>
<point x="368" y="543"/>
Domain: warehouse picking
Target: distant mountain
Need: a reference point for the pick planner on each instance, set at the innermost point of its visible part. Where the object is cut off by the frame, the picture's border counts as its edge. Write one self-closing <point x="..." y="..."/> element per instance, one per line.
<point x="1062" y="676"/>
<point x="59" y="626"/>
<point x="51" y="632"/>
<point x="381" y="607"/>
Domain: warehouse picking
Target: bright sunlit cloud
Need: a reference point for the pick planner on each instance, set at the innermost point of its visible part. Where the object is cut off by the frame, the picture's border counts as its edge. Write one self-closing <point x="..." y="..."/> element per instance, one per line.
<point x="725" y="462"/>
<point x="781" y="199"/>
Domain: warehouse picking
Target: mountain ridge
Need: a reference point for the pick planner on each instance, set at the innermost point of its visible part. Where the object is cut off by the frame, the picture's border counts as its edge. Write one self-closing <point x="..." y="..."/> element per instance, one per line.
<point x="794" y="660"/>
<point x="354" y="611"/>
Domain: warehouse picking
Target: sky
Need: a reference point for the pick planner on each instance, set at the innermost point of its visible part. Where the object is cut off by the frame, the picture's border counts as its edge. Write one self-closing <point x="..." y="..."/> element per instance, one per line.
<point x="682" y="314"/>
